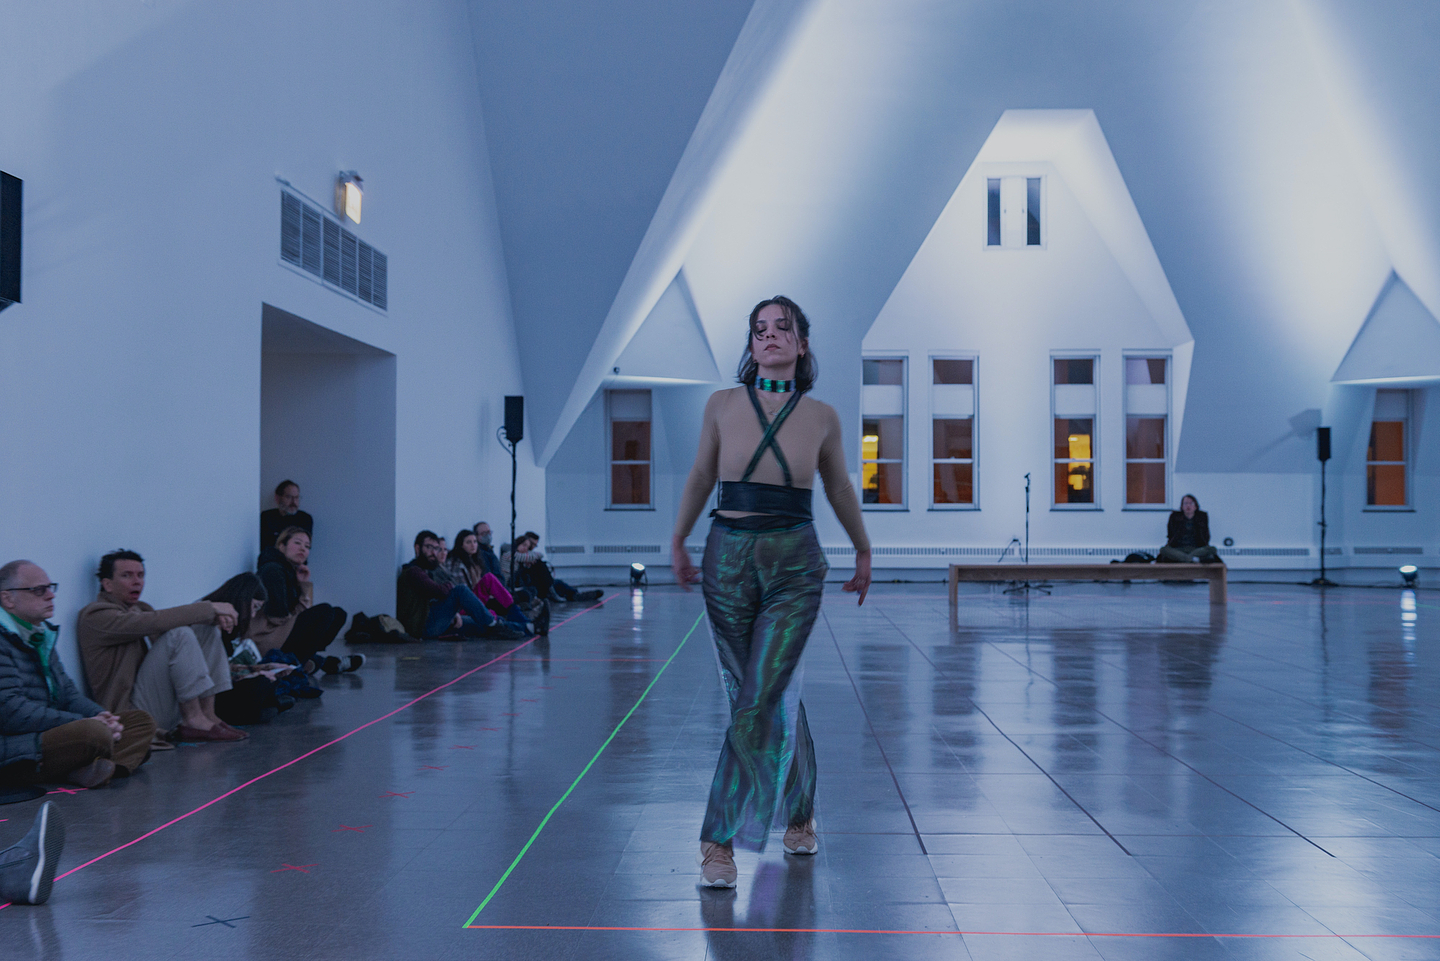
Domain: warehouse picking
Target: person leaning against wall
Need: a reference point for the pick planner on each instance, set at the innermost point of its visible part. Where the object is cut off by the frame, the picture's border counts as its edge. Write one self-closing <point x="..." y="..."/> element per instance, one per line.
<point x="169" y="663"/>
<point x="290" y="619"/>
<point x="1188" y="536"/>
<point x="285" y="513"/>
<point x="49" y="731"/>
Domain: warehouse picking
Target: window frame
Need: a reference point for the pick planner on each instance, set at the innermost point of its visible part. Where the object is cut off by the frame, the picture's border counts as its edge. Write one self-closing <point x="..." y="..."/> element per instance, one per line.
<point x="610" y="462"/>
<point x="1408" y="463"/>
<point x="1169" y="432"/>
<point x="1023" y="173"/>
<point x="904" y="458"/>
<point x="974" y="461"/>
<point x="1095" y="427"/>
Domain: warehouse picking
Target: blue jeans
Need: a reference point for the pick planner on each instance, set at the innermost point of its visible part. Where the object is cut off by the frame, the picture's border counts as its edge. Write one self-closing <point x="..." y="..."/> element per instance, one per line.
<point x="462" y="600"/>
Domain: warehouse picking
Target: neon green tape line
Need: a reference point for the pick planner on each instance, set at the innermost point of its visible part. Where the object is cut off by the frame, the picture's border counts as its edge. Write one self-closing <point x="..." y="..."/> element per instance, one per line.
<point x="546" y="819"/>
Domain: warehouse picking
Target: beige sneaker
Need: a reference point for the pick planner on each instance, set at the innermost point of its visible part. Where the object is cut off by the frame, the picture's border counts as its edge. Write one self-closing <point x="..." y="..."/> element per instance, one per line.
<point x="717" y="865"/>
<point x="801" y="839"/>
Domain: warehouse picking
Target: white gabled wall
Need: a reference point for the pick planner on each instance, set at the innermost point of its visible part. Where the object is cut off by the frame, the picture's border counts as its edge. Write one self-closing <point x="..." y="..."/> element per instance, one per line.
<point x="149" y="138"/>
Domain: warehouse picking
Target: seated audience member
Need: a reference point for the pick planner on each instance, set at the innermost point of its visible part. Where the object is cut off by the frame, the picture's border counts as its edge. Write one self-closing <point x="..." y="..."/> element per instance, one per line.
<point x="430" y="606"/>
<point x="486" y="553"/>
<point x="533" y="573"/>
<point x="27" y="868"/>
<point x="49" y="731"/>
<point x="290" y="620"/>
<point x="285" y="513"/>
<point x="253" y="698"/>
<point x="464" y="567"/>
<point x="174" y="679"/>
<point x="1188" y="536"/>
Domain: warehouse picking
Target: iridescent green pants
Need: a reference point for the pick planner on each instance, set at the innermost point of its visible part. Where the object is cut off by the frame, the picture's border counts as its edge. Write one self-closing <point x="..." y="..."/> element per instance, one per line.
<point x="762" y="593"/>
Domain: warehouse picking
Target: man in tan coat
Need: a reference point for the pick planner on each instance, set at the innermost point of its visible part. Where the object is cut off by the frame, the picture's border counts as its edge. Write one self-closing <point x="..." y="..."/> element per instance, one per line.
<point x="174" y="679"/>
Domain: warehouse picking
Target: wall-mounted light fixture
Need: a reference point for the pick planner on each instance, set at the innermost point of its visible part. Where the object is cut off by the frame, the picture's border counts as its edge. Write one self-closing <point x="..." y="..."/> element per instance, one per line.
<point x="349" y="191"/>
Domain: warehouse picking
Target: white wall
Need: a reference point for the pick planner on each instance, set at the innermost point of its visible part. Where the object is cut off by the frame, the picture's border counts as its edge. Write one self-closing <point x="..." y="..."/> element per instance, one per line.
<point x="327" y="421"/>
<point x="149" y="137"/>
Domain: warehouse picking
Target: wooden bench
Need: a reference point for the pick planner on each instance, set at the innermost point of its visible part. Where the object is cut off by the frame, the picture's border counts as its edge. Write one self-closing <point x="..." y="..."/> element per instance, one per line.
<point x="1214" y="573"/>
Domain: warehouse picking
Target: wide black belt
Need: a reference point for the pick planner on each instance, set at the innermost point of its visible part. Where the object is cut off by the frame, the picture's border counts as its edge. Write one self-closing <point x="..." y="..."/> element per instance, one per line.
<point x="765" y="499"/>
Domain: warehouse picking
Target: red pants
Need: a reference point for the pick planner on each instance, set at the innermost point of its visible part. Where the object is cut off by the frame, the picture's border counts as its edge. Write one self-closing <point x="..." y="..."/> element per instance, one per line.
<point x="493" y="593"/>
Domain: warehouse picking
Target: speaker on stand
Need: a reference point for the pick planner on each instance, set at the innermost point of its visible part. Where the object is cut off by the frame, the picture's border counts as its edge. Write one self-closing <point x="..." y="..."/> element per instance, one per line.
<point x="1322" y="454"/>
<point x="514" y="432"/>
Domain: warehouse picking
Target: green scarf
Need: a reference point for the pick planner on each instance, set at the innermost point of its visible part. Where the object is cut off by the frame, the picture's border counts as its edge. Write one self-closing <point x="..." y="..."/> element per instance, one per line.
<point x="41" y="639"/>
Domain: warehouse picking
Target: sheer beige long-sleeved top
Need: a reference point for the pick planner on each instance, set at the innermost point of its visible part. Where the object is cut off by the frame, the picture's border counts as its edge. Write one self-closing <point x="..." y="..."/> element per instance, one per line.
<point x="810" y="438"/>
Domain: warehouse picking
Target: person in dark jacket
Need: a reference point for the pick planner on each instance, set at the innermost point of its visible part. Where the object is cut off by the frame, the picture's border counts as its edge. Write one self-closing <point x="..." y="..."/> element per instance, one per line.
<point x="1188" y="536"/>
<point x="49" y="731"/>
<point x="285" y="513"/>
<point x="290" y="620"/>
<point x="429" y="605"/>
<point x="489" y="560"/>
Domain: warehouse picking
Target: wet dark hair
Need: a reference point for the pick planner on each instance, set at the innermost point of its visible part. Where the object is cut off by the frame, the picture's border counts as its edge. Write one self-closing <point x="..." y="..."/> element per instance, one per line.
<point x="239" y="591"/>
<point x="1193" y="498"/>
<point x="807" y="370"/>
<point x="107" y="563"/>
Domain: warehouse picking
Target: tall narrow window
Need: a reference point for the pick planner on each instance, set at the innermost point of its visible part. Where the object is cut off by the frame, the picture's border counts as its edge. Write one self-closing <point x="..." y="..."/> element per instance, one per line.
<point x="952" y="430"/>
<point x="1032" y="211"/>
<point x="1147" y="416"/>
<point x="629" y="448"/>
<point x="1385" y="456"/>
<point x="992" y="212"/>
<point x="1073" y="404"/>
<point x="1013" y="212"/>
<point x="882" y="433"/>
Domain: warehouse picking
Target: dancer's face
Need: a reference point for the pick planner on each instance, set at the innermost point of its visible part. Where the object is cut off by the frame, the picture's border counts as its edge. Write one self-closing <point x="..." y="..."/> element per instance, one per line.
<point x="775" y="344"/>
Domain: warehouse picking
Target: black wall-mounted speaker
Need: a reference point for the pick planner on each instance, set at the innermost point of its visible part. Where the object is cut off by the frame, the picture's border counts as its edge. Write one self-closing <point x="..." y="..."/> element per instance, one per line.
<point x="10" y="196"/>
<point x="1322" y="443"/>
<point x="514" y="419"/>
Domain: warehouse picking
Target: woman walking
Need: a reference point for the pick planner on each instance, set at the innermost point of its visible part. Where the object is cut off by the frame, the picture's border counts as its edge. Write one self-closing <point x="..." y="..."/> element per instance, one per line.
<point x="763" y="576"/>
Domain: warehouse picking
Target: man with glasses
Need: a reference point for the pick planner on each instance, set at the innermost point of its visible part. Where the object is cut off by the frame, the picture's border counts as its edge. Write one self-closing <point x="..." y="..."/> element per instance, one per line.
<point x="49" y="731"/>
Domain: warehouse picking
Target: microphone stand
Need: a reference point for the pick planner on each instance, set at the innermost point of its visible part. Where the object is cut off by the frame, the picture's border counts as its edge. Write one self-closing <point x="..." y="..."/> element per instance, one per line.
<point x="1025" y="587"/>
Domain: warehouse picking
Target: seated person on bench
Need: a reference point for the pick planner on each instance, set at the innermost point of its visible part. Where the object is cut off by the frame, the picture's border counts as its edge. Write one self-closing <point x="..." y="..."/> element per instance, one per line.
<point x="1188" y="536"/>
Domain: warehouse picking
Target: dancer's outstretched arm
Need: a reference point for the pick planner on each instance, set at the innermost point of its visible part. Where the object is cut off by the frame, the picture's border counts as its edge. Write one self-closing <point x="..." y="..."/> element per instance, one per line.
<point x="841" y="495"/>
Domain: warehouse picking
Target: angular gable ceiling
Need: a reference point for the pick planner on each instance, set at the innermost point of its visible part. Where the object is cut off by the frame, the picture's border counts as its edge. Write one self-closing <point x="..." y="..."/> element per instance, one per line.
<point x="588" y="108"/>
<point x="1399" y="342"/>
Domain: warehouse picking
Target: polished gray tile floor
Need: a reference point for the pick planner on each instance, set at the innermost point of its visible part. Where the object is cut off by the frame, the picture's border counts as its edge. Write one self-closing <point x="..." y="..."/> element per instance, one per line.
<point x="1110" y="772"/>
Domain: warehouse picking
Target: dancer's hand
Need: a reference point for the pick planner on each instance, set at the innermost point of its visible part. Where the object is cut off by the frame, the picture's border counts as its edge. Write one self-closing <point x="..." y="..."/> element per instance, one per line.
<point x="860" y="583"/>
<point x="685" y="572"/>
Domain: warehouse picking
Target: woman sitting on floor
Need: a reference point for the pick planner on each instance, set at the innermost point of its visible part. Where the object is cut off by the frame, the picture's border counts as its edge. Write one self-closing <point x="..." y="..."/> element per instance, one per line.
<point x="465" y="567"/>
<point x="290" y="619"/>
<point x="252" y="698"/>
<point x="1188" y="536"/>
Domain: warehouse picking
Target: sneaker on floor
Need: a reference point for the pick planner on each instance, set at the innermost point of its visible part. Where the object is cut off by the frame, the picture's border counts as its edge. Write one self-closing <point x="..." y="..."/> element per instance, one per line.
<point x="27" y="870"/>
<point x="330" y="664"/>
<point x="717" y="865"/>
<point x="801" y="839"/>
<point x="586" y="597"/>
<point x="352" y="663"/>
<point x="500" y="631"/>
<point x="94" y="774"/>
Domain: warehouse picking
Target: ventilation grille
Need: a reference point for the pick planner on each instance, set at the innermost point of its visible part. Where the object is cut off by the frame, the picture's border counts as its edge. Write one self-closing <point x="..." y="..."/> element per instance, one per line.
<point x="626" y="548"/>
<point x="1389" y="550"/>
<point x="567" y="549"/>
<point x="316" y="243"/>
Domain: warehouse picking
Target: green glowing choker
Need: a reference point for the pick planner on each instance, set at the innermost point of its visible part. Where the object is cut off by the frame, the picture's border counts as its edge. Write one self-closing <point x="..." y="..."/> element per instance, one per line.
<point x="775" y="386"/>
